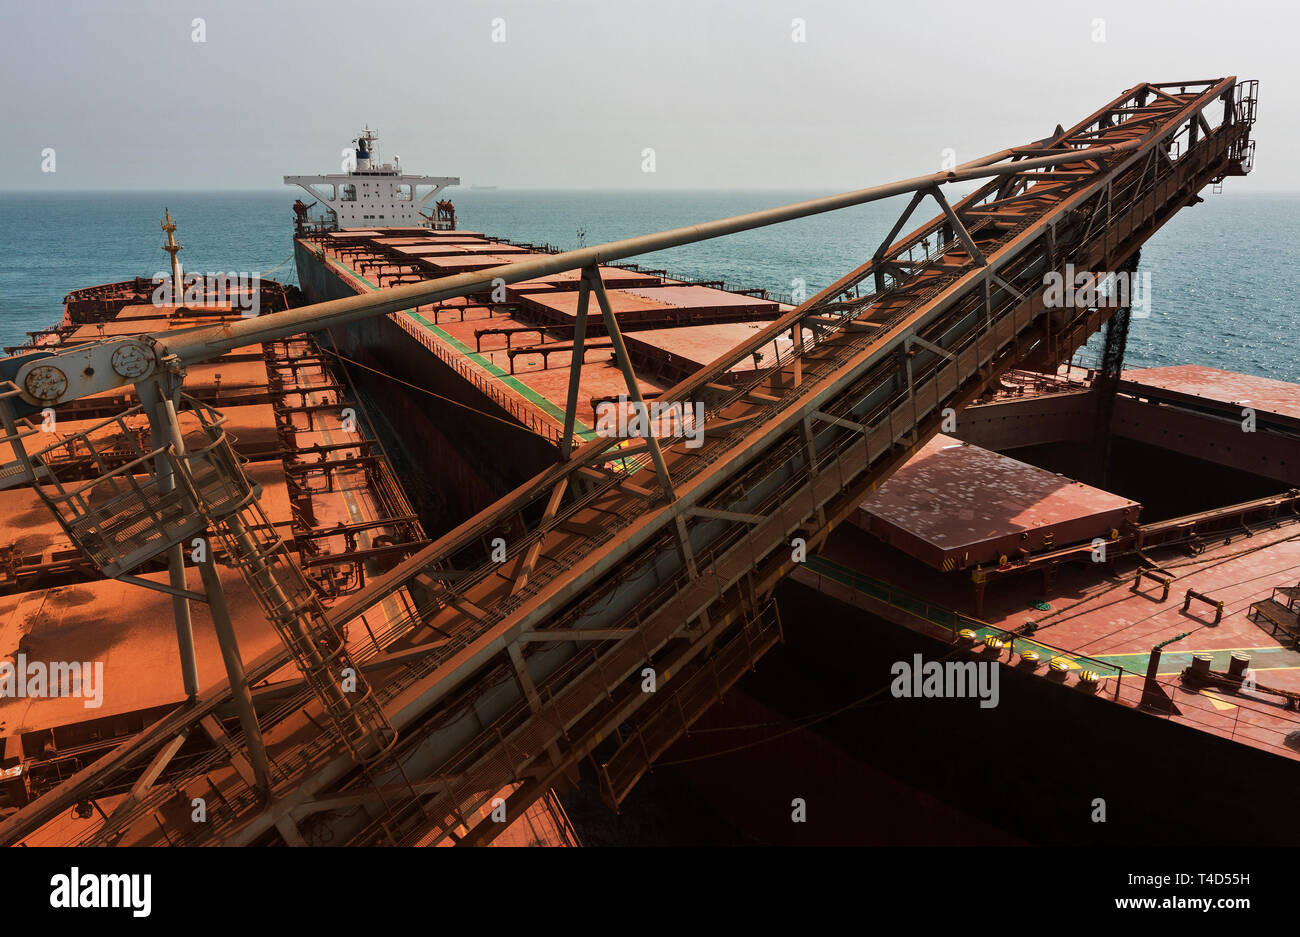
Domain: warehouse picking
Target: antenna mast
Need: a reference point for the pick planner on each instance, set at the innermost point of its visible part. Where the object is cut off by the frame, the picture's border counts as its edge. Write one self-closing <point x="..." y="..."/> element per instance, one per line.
<point x="172" y="248"/>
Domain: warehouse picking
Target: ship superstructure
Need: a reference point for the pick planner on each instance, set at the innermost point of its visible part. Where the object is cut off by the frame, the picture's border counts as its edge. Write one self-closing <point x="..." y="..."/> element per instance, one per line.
<point x="370" y="192"/>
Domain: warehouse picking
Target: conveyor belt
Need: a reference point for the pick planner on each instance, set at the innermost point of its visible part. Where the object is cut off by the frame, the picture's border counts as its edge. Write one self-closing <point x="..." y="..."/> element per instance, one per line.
<point x="535" y="661"/>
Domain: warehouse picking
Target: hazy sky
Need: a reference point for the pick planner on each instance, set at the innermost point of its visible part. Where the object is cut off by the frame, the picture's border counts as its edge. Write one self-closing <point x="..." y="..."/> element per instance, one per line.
<point x="578" y="89"/>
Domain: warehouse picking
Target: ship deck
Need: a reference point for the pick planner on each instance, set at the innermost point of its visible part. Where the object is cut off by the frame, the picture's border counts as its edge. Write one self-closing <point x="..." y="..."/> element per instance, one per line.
<point x="958" y="506"/>
<point x="1194" y="383"/>
<point x="941" y="525"/>
<point x="326" y="486"/>
<point x="278" y="411"/>
<point x="1091" y="615"/>
<point x="520" y="349"/>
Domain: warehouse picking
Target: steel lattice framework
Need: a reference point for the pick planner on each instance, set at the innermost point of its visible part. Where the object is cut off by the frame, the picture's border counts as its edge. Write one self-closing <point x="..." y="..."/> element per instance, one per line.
<point x="661" y="555"/>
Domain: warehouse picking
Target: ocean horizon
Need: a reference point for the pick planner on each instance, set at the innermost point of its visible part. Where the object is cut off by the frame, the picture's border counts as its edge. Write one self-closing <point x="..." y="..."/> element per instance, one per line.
<point x="1219" y="273"/>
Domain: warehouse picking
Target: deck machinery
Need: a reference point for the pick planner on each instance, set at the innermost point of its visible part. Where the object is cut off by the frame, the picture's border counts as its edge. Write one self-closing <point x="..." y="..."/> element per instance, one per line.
<point x="543" y="621"/>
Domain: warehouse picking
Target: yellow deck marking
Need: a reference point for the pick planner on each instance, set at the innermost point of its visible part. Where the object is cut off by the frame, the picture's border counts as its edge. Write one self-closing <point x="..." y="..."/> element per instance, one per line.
<point x="1219" y="704"/>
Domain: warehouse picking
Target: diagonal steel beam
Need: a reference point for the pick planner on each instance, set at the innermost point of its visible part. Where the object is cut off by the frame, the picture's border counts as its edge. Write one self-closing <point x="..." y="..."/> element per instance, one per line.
<point x="960" y="228"/>
<point x="592" y="276"/>
<point x="575" y="368"/>
<point x="535" y="548"/>
<point x="879" y="255"/>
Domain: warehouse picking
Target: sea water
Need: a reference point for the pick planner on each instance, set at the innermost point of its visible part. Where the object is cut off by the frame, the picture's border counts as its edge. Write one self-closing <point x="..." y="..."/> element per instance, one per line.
<point x="1221" y="273"/>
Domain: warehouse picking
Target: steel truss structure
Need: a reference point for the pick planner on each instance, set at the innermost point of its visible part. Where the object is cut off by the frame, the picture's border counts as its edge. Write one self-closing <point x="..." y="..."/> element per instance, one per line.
<point x="656" y="560"/>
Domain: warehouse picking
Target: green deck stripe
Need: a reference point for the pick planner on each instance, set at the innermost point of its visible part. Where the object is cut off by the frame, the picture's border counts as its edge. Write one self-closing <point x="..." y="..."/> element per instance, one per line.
<point x="579" y="428"/>
<point x="948" y="618"/>
<point x="1135" y="662"/>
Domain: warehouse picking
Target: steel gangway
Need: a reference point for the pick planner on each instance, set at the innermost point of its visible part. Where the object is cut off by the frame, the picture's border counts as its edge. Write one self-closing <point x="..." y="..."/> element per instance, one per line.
<point x="597" y="610"/>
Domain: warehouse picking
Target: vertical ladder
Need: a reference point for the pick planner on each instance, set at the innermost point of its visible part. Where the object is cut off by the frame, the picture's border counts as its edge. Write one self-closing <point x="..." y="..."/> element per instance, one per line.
<point x="120" y="522"/>
<point x="295" y="611"/>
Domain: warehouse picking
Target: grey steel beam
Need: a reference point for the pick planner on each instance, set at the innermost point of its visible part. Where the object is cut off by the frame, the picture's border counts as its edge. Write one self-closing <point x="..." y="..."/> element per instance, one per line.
<point x="371" y="795"/>
<point x="189" y="594"/>
<point x="163" y="430"/>
<point x="146" y="780"/>
<point x="838" y="421"/>
<point x="957" y="226"/>
<point x="717" y="515"/>
<point x="888" y="242"/>
<point x="592" y="276"/>
<point x="1008" y="287"/>
<point x="576" y="634"/>
<point x="234" y="662"/>
<point x="624" y="360"/>
<point x="929" y="346"/>
<point x="535" y="548"/>
<point x="575" y="368"/>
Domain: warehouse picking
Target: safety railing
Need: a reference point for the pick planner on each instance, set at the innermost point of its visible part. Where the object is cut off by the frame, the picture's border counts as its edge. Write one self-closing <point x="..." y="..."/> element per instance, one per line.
<point x="143" y="500"/>
<point x="1252" y="721"/>
<point x="16" y="466"/>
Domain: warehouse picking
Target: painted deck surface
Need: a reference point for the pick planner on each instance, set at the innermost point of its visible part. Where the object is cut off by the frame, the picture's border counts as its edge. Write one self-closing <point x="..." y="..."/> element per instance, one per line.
<point x="519" y="366"/>
<point x="966" y="505"/>
<point x="1091" y="619"/>
<point x="1262" y="394"/>
<point x="129" y="628"/>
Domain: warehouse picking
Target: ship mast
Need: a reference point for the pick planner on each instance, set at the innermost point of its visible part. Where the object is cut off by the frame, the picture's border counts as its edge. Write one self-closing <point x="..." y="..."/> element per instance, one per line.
<point x="172" y="248"/>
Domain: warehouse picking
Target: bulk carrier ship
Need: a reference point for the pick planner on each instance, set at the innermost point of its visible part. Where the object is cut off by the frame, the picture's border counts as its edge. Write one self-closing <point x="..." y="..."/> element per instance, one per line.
<point x="526" y="602"/>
